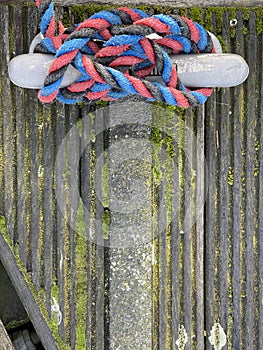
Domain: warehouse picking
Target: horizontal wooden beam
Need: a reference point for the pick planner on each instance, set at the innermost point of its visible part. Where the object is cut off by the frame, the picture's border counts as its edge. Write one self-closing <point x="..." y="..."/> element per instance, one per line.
<point x="168" y="3"/>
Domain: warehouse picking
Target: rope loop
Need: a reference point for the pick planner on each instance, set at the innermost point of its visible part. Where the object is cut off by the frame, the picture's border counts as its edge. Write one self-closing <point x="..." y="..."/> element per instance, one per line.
<point x="126" y="45"/>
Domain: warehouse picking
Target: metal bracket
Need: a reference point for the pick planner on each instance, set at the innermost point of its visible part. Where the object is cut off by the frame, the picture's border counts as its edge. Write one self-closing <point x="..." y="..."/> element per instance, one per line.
<point x="206" y="70"/>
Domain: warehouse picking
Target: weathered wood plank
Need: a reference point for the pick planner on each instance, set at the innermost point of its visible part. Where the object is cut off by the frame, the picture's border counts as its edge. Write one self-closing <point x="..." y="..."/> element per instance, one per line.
<point x="250" y="232"/>
<point x="25" y="294"/>
<point x="86" y="197"/>
<point x="60" y="184"/>
<point x="73" y="180"/>
<point x="7" y="123"/>
<point x="223" y="193"/>
<point x="260" y="213"/>
<point x="201" y="168"/>
<point x="188" y="226"/>
<point x="237" y="133"/>
<point x="210" y="217"/>
<point x="6" y="343"/>
<point x="100" y="121"/>
<point x="21" y="141"/>
<point x="168" y="3"/>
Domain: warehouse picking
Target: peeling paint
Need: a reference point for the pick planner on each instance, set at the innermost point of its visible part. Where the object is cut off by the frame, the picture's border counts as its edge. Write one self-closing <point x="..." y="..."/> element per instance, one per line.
<point x="218" y="336"/>
<point x="182" y="338"/>
<point x="56" y="313"/>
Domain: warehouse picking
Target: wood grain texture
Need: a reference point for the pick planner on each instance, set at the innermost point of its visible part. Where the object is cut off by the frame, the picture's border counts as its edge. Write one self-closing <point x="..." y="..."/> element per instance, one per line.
<point x="4" y="338"/>
<point x="168" y="3"/>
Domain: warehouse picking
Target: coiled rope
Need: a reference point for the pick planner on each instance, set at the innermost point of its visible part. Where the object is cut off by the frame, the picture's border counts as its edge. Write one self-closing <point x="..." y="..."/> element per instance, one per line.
<point x="125" y="52"/>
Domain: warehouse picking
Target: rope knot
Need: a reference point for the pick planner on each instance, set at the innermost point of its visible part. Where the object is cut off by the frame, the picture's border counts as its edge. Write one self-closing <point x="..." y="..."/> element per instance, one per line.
<point x="115" y="50"/>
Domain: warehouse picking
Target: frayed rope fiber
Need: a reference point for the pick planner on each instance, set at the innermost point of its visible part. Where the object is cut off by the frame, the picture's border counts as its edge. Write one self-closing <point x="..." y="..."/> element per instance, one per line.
<point x="125" y="51"/>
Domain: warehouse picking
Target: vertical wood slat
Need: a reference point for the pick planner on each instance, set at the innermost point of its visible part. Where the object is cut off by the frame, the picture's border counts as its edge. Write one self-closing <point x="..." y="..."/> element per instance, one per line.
<point x="20" y="142"/>
<point x="34" y="191"/>
<point x="48" y="205"/>
<point x="210" y="183"/>
<point x="223" y="195"/>
<point x="73" y="164"/>
<point x="200" y="196"/>
<point x="260" y="209"/>
<point x="60" y="184"/>
<point x="100" y="249"/>
<point x="85" y="197"/>
<point x="7" y="124"/>
<point x="175" y="269"/>
<point x="211" y="152"/>
<point x="34" y="164"/>
<point x="250" y="183"/>
<point x="187" y="233"/>
<point x="217" y="209"/>
<point x="236" y="194"/>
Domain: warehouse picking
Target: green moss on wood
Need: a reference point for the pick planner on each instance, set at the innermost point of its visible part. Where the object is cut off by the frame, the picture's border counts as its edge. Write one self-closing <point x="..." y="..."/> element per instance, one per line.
<point x="196" y="14"/>
<point x="81" y="289"/>
<point x="106" y="220"/>
<point x="105" y="183"/>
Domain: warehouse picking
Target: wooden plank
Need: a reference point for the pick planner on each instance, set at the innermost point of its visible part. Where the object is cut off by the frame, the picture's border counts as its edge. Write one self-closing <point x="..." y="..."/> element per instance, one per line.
<point x="60" y="183"/>
<point x="22" y="172"/>
<point x="223" y="194"/>
<point x="237" y="133"/>
<point x="260" y="213"/>
<point x="210" y="217"/>
<point x="200" y="215"/>
<point x="33" y="198"/>
<point x="250" y="109"/>
<point x="25" y="295"/>
<point x="7" y="123"/>
<point x="6" y="343"/>
<point x="100" y="121"/>
<point x="48" y="203"/>
<point x="21" y="141"/>
<point x="175" y="239"/>
<point x="34" y="168"/>
<point x="73" y="180"/>
<point x="187" y="232"/>
<point x="85" y="197"/>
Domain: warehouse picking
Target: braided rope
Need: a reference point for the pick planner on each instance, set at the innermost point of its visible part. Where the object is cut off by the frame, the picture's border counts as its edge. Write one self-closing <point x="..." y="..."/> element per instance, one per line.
<point x="124" y="55"/>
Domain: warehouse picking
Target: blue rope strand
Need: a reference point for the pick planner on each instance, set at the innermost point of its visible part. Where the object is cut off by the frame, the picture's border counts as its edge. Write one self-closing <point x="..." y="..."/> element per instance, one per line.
<point x="174" y="26"/>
